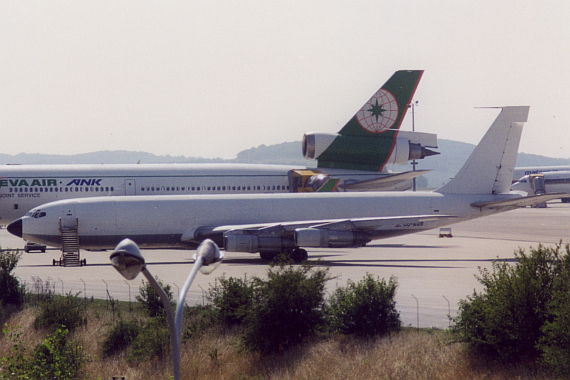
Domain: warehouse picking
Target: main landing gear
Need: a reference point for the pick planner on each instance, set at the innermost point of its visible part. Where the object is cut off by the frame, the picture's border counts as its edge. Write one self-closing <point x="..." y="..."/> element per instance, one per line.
<point x="298" y="255"/>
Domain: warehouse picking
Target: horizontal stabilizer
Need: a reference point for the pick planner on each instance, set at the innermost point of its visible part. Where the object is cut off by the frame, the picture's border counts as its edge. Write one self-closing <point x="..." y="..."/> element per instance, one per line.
<point x="519" y="202"/>
<point x="380" y="184"/>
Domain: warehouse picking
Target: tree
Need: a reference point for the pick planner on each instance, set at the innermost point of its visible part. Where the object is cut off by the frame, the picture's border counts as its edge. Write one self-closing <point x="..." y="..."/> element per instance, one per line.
<point x="150" y="299"/>
<point x="12" y="293"/>
<point x="287" y="308"/>
<point x="366" y="308"/>
<point x="232" y="299"/>
<point x="505" y="321"/>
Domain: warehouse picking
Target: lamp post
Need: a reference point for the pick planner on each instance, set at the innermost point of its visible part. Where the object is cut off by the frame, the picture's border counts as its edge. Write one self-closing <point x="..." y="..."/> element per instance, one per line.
<point x="129" y="262"/>
<point x="413" y="130"/>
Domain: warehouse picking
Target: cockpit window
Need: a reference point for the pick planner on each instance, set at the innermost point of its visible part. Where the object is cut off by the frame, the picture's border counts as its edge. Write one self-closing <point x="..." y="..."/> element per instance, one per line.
<point x="37" y="214"/>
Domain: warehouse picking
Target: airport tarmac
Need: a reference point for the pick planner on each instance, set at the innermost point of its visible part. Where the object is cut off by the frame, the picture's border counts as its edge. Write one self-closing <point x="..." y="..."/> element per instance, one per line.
<point x="433" y="273"/>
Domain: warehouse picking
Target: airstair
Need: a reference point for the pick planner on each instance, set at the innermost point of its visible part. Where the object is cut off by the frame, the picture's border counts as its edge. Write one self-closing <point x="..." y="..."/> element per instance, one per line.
<point x="70" y="253"/>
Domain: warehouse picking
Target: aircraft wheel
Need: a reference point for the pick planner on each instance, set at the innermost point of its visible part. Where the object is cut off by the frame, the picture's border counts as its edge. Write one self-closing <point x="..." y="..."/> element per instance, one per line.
<point x="299" y="255"/>
<point x="267" y="256"/>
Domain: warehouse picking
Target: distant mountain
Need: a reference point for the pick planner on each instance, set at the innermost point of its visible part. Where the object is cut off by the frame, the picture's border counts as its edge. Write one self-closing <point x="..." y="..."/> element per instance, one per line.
<point x="443" y="166"/>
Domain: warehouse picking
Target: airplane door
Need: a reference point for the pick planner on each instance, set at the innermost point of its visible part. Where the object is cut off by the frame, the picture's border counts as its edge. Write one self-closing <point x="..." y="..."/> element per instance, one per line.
<point x="68" y="218"/>
<point x="130" y="187"/>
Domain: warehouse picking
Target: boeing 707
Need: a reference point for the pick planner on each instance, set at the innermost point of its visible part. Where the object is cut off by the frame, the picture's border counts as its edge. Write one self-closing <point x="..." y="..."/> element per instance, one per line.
<point x="271" y="224"/>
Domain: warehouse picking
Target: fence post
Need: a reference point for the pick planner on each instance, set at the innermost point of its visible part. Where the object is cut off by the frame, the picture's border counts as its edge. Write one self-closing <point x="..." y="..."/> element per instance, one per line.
<point x="130" y="305"/>
<point x="108" y="295"/>
<point x="449" y="312"/>
<point x="417" y="311"/>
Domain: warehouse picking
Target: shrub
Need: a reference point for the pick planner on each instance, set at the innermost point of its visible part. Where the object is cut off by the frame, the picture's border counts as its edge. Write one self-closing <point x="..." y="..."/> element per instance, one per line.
<point x="198" y="319"/>
<point x="153" y="340"/>
<point x="150" y="299"/>
<point x="54" y="358"/>
<point x="57" y="311"/>
<point x="12" y="293"/>
<point x="232" y="299"/>
<point x="366" y="308"/>
<point x="287" y="308"/>
<point x="555" y="342"/>
<point x="120" y="337"/>
<point x="505" y="320"/>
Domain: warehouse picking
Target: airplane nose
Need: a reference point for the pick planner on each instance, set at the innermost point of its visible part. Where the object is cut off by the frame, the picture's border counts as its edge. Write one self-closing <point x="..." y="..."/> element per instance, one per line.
<point x="15" y="228"/>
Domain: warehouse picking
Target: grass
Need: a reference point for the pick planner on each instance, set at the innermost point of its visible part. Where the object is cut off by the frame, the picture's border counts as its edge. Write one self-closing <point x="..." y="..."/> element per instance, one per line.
<point x="427" y="354"/>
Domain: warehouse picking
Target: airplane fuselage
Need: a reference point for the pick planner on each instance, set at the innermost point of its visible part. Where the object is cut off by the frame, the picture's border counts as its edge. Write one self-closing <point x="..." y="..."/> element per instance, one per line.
<point x="23" y="187"/>
<point x="549" y="182"/>
<point x="172" y="221"/>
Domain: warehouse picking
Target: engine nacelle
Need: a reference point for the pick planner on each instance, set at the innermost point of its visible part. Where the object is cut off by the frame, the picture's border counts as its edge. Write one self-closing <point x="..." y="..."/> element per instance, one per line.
<point x="538" y="184"/>
<point x="237" y="241"/>
<point x="314" y="144"/>
<point x="351" y="150"/>
<point x="323" y="238"/>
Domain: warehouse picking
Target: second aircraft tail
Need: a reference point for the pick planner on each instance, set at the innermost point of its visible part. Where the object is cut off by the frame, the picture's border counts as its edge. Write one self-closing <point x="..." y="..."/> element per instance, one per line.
<point x="369" y="140"/>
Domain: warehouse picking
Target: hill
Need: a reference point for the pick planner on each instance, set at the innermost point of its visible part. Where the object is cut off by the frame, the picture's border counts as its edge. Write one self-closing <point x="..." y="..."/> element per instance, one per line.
<point x="444" y="166"/>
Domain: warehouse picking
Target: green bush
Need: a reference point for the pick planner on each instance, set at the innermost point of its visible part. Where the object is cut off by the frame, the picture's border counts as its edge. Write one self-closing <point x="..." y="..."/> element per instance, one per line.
<point x="287" y="308"/>
<point x="54" y="358"/>
<point x="232" y="299"/>
<point x="555" y="342"/>
<point x="153" y="340"/>
<point x="505" y="321"/>
<point x="366" y="308"/>
<point x="57" y="311"/>
<point x="197" y="320"/>
<point x="150" y="299"/>
<point x="120" y="337"/>
<point x="11" y="292"/>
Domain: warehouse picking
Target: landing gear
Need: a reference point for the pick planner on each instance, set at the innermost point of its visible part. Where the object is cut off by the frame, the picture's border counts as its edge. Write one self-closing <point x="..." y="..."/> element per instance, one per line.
<point x="299" y="255"/>
<point x="268" y="256"/>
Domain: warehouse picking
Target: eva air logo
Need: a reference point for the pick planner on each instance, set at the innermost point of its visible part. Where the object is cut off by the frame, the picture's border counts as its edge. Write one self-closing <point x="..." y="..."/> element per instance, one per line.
<point x="380" y="113"/>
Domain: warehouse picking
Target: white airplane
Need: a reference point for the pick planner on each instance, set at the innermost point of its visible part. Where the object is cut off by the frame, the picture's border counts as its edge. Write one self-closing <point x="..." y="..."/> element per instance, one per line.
<point x="274" y="223"/>
<point x="355" y="159"/>
<point x="545" y="183"/>
<point x="527" y="170"/>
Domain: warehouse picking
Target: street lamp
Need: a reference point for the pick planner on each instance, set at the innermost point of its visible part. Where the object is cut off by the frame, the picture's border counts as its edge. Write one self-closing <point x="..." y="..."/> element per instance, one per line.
<point x="129" y="262"/>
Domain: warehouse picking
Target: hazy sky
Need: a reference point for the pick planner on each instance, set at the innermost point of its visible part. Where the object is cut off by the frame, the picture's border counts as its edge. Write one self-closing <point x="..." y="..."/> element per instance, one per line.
<point x="202" y="78"/>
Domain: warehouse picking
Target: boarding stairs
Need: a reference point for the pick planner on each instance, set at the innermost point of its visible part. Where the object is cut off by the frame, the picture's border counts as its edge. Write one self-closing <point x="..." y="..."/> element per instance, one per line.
<point x="70" y="253"/>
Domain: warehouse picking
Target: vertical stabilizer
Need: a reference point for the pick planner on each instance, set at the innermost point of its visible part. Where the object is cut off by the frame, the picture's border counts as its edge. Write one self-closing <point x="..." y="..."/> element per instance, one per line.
<point x="368" y="139"/>
<point x="489" y="169"/>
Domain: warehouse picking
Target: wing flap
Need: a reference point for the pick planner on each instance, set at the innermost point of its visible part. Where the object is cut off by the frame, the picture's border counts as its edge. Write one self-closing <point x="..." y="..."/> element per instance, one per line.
<point x="384" y="182"/>
<point x="519" y="202"/>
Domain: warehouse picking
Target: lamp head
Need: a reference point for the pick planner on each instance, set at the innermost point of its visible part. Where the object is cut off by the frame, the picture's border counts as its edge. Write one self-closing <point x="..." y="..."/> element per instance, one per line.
<point x="127" y="259"/>
<point x="211" y="256"/>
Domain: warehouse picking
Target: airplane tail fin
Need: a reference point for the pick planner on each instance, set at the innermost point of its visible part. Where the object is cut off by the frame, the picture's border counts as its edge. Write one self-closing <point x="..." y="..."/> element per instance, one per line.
<point x="368" y="140"/>
<point x="386" y="109"/>
<point x="489" y="169"/>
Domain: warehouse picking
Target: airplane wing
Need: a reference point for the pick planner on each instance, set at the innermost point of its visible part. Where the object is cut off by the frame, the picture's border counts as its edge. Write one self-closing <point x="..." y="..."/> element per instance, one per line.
<point x="381" y="183"/>
<point x="519" y="202"/>
<point x="363" y="227"/>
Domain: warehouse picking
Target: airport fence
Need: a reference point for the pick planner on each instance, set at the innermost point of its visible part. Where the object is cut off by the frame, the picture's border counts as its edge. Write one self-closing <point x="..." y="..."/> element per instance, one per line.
<point x="431" y="311"/>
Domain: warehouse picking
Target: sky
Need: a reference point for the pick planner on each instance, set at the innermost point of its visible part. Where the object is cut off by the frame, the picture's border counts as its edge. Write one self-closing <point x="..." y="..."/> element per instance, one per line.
<point x="210" y="79"/>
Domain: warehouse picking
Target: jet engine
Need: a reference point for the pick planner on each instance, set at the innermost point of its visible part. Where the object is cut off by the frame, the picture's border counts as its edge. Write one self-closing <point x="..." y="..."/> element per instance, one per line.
<point x="361" y="149"/>
<point x="323" y="238"/>
<point x="240" y="241"/>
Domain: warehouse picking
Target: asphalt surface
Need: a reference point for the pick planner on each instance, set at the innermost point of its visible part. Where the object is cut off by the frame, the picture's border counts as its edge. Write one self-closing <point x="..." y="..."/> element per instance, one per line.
<point x="433" y="273"/>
